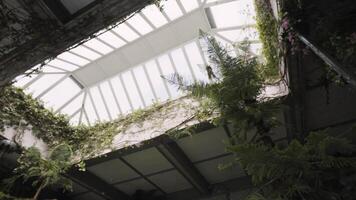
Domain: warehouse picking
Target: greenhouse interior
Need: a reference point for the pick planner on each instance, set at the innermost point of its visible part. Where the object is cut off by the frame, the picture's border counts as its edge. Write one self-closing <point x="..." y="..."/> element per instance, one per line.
<point x="177" y="100"/>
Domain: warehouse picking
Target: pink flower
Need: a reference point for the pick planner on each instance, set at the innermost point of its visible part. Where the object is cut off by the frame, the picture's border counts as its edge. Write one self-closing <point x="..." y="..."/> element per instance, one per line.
<point x="285" y="24"/>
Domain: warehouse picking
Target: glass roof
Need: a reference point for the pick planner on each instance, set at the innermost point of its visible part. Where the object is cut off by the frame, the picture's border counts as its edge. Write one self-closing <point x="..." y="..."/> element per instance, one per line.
<point x="109" y="94"/>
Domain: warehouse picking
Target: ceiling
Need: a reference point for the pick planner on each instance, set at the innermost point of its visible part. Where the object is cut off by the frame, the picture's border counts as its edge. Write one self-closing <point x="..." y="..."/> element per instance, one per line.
<point x="185" y="168"/>
<point x="121" y="69"/>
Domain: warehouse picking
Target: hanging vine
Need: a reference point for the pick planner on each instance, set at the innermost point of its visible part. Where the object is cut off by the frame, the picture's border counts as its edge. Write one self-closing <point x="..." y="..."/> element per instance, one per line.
<point x="21" y="112"/>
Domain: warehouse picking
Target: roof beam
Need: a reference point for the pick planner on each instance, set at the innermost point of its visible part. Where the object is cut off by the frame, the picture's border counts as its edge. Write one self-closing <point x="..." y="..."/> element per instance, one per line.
<point x="176" y="156"/>
<point x="97" y="185"/>
<point x="142" y="175"/>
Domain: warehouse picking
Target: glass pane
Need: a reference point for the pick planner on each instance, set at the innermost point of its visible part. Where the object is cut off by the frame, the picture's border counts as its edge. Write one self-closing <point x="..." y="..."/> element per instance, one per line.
<point x="189" y="4"/>
<point x="154" y="15"/>
<point x="181" y="65"/>
<point x="110" y="100"/>
<point x="132" y="90"/>
<point x="121" y="95"/>
<point x="234" y="13"/>
<point x="112" y="39"/>
<point x="50" y="69"/>
<point x="89" y="109"/>
<point x="140" y="24"/>
<point x="99" y="104"/>
<point x="43" y="83"/>
<point x="196" y="61"/>
<point x="63" y="65"/>
<point x="168" y="72"/>
<point x="73" y="58"/>
<point x="60" y="94"/>
<point x="157" y="80"/>
<point x="85" y="52"/>
<point x="126" y="32"/>
<point x="98" y="46"/>
<point x="172" y="9"/>
<point x="241" y="34"/>
<point x="22" y="80"/>
<point x="73" y="106"/>
<point x="144" y="85"/>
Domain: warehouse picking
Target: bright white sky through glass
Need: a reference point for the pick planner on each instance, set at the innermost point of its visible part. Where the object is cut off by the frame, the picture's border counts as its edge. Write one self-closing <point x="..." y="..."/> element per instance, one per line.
<point x="235" y="13"/>
<point x="143" y="83"/>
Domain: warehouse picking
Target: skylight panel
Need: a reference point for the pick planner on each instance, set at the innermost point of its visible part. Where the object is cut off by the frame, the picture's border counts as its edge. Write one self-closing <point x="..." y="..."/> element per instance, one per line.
<point x="110" y="100"/>
<point x="240" y="34"/>
<point x="22" y="80"/>
<point x="144" y="85"/>
<point x="90" y="111"/>
<point x="181" y="64"/>
<point x="63" y="65"/>
<point x="196" y="61"/>
<point x="85" y="52"/>
<point x="99" y="104"/>
<point x="74" y="105"/>
<point x="211" y="1"/>
<point x="61" y="93"/>
<point x="157" y="81"/>
<point x="154" y="15"/>
<point x="43" y="83"/>
<point x="98" y="46"/>
<point x="126" y="32"/>
<point x="228" y="45"/>
<point x="49" y="69"/>
<point x="73" y="58"/>
<point x="121" y="95"/>
<point x="168" y="72"/>
<point x="112" y="39"/>
<point x="234" y="13"/>
<point x="140" y="24"/>
<point x="132" y="90"/>
<point x="172" y="9"/>
<point x="189" y="5"/>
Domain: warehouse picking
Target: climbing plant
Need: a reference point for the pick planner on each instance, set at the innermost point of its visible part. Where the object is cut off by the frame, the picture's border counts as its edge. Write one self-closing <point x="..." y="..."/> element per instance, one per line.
<point x="268" y="26"/>
<point x="20" y="112"/>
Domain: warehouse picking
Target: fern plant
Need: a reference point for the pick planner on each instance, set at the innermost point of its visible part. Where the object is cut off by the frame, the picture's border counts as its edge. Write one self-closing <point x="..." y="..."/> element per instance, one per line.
<point x="318" y="169"/>
<point x="321" y="168"/>
<point x="235" y="91"/>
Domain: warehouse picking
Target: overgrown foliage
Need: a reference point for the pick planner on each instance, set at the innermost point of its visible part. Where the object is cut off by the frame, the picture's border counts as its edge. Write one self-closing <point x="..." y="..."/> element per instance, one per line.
<point x="267" y="26"/>
<point x="318" y="169"/>
<point x="321" y="167"/>
<point x="22" y="112"/>
<point x="343" y="47"/>
<point x="42" y="172"/>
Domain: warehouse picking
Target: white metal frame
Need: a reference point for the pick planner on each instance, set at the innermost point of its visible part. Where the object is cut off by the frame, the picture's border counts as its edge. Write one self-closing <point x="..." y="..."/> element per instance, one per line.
<point x="83" y="113"/>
